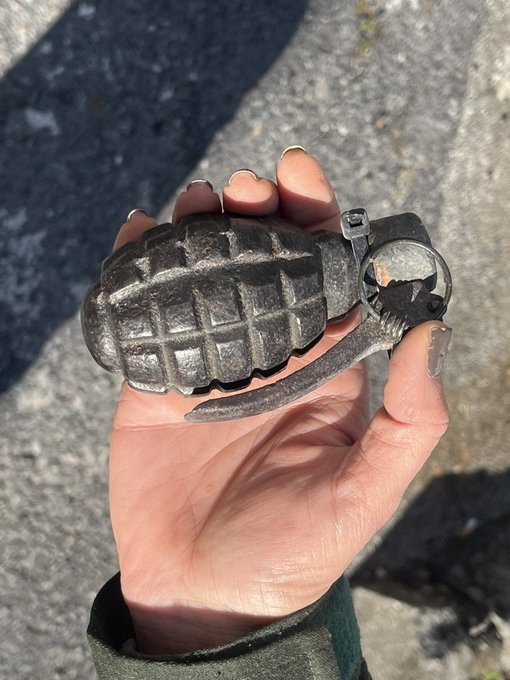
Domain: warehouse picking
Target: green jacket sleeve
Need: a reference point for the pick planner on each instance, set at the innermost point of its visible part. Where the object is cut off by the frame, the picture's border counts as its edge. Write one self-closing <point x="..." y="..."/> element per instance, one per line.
<point x="320" y="642"/>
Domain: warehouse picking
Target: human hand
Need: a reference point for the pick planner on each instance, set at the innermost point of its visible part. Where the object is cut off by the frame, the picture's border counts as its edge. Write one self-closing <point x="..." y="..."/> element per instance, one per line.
<point x="224" y="527"/>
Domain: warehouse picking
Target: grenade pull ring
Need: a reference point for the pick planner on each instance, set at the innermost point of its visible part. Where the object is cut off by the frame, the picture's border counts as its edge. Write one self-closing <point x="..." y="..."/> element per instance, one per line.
<point x="436" y="306"/>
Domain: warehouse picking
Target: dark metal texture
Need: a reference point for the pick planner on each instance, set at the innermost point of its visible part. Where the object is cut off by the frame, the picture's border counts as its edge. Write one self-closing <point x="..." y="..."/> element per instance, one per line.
<point x="214" y="300"/>
<point x="375" y="333"/>
<point x="367" y="338"/>
<point x="414" y="304"/>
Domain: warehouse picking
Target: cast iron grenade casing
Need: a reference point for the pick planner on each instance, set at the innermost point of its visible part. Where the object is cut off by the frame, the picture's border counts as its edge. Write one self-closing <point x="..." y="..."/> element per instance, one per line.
<point x="215" y="300"/>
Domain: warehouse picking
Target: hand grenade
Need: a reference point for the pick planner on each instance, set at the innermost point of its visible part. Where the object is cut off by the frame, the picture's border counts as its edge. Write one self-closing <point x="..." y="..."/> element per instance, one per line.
<point x="215" y="300"/>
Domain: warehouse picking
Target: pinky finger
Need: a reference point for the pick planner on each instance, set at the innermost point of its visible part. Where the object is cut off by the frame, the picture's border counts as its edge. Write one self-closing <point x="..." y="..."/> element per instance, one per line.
<point x="137" y="222"/>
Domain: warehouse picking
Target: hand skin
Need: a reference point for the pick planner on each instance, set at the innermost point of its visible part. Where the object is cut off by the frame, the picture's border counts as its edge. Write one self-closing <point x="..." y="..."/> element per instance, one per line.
<point x="224" y="527"/>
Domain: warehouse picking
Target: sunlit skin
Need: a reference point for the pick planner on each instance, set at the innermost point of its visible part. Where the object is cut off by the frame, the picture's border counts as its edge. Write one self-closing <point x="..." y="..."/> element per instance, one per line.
<point x="224" y="527"/>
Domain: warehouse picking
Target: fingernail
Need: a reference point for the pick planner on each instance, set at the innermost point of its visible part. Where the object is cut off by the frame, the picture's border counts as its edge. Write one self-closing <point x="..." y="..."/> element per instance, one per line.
<point x="291" y="148"/>
<point x="136" y="210"/>
<point x="243" y="171"/>
<point x="440" y="337"/>
<point x="199" y="183"/>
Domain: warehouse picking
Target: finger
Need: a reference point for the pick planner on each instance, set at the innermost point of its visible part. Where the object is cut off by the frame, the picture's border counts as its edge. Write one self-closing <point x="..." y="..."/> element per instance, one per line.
<point x="306" y="196"/>
<point x="248" y="194"/>
<point x="137" y="222"/>
<point x="403" y="433"/>
<point x="199" y="197"/>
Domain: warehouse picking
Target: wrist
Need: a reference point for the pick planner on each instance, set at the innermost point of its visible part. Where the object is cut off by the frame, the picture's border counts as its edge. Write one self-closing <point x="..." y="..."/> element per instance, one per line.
<point x="178" y="629"/>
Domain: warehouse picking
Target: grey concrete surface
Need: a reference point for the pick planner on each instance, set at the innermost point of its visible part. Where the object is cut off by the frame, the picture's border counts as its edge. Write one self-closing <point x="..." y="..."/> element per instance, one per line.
<point x="450" y="534"/>
<point x="400" y="639"/>
<point x="107" y="106"/>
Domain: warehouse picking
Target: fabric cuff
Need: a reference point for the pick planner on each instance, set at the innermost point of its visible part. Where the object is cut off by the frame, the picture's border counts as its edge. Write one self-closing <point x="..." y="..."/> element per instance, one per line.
<point x="319" y="641"/>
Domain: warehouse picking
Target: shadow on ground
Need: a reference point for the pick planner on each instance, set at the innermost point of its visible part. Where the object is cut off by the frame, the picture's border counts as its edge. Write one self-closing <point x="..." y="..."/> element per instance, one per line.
<point x="111" y="110"/>
<point x="451" y="548"/>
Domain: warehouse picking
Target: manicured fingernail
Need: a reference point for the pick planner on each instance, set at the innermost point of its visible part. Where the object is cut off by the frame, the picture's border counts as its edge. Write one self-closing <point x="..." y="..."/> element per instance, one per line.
<point x="243" y="172"/>
<point x="440" y="337"/>
<point x="292" y="148"/>
<point x="199" y="183"/>
<point x="135" y="211"/>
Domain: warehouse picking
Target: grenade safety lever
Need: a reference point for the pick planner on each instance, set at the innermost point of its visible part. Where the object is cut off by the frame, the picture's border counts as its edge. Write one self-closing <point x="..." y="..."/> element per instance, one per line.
<point x="215" y="300"/>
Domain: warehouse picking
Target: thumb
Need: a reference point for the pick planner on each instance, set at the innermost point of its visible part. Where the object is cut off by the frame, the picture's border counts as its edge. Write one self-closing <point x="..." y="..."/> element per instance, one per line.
<point x="414" y="392"/>
<point x="404" y="431"/>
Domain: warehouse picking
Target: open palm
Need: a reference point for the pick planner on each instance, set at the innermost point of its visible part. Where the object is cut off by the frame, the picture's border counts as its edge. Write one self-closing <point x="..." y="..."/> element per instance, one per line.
<point x="223" y="527"/>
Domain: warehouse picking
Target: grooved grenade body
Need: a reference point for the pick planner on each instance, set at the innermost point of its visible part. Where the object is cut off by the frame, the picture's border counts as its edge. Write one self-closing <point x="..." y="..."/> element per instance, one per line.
<point x="214" y="300"/>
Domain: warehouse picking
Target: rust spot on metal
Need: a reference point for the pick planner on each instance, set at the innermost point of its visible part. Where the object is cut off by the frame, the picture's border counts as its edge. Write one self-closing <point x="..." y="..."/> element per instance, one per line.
<point x="381" y="273"/>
